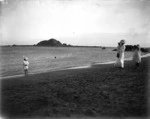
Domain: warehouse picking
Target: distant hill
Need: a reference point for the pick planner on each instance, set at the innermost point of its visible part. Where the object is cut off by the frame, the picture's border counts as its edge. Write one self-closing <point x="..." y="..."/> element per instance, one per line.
<point x="52" y="42"/>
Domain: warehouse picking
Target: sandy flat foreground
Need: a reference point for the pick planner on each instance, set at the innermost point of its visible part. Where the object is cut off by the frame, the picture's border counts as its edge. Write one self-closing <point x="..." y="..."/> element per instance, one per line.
<point x="101" y="90"/>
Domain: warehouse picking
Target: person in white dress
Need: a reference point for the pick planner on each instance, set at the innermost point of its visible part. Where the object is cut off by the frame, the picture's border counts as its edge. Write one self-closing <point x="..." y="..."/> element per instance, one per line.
<point x="120" y="54"/>
<point x="137" y="56"/>
<point x="25" y="66"/>
<point x="117" y="63"/>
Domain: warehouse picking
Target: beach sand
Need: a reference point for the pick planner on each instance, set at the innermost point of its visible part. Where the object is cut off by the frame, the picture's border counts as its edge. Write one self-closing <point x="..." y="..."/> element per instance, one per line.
<point x="99" y="91"/>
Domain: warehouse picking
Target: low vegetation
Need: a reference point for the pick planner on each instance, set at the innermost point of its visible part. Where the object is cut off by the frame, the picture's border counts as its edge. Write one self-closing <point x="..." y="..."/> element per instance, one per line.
<point x="131" y="48"/>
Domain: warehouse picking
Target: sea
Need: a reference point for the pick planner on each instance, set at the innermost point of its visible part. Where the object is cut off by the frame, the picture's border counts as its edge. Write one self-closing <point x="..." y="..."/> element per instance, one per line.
<point x="43" y="59"/>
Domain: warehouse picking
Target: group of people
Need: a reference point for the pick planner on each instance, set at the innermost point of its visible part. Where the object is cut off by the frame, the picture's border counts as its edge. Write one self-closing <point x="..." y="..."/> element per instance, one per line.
<point x="120" y="55"/>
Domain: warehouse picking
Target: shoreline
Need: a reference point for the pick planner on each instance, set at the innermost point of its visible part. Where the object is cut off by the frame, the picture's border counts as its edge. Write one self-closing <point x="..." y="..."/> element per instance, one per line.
<point x="68" y="68"/>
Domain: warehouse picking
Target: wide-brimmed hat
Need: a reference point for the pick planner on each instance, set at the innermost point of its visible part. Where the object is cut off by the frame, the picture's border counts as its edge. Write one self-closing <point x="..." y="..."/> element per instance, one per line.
<point x="25" y="58"/>
<point x="122" y="41"/>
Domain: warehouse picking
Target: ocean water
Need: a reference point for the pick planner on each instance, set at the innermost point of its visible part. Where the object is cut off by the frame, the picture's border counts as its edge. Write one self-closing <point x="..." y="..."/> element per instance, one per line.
<point x="43" y="59"/>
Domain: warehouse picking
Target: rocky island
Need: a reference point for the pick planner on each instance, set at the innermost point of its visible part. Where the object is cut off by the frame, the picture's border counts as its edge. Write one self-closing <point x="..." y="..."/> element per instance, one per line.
<point x="52" y="42"/>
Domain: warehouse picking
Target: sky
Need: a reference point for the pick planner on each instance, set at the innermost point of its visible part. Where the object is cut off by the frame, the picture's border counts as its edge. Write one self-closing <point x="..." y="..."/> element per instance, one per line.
<point x="75" y="22"/>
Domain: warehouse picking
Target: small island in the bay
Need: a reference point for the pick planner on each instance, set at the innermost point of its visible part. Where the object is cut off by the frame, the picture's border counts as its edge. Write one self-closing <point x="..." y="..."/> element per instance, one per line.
<point x="52" y="42"/>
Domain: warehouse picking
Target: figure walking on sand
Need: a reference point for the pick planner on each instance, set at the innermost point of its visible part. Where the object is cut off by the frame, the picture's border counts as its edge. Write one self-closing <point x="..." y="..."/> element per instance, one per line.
<point x="120" y="54"/>
<point x="137" y="56"/>
<point x="25" y="66"/>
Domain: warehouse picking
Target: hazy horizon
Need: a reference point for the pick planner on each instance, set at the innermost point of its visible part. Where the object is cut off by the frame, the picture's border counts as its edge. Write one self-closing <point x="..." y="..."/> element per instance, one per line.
<point x="75" y="22"/>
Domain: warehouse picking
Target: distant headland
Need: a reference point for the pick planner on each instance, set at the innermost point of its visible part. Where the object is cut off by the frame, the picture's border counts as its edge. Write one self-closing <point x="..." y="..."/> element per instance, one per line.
<point x="52" y="42"/>
<point x="55" y="43"/>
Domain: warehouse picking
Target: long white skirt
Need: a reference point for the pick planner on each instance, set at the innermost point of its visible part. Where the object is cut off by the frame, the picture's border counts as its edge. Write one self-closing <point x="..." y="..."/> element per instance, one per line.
<point x="120" y="61"/>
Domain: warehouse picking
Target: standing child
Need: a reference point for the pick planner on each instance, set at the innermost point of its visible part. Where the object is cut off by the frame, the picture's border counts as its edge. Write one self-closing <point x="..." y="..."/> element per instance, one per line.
<point x="137" y="56"/>
<point x="25" y="66"/>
